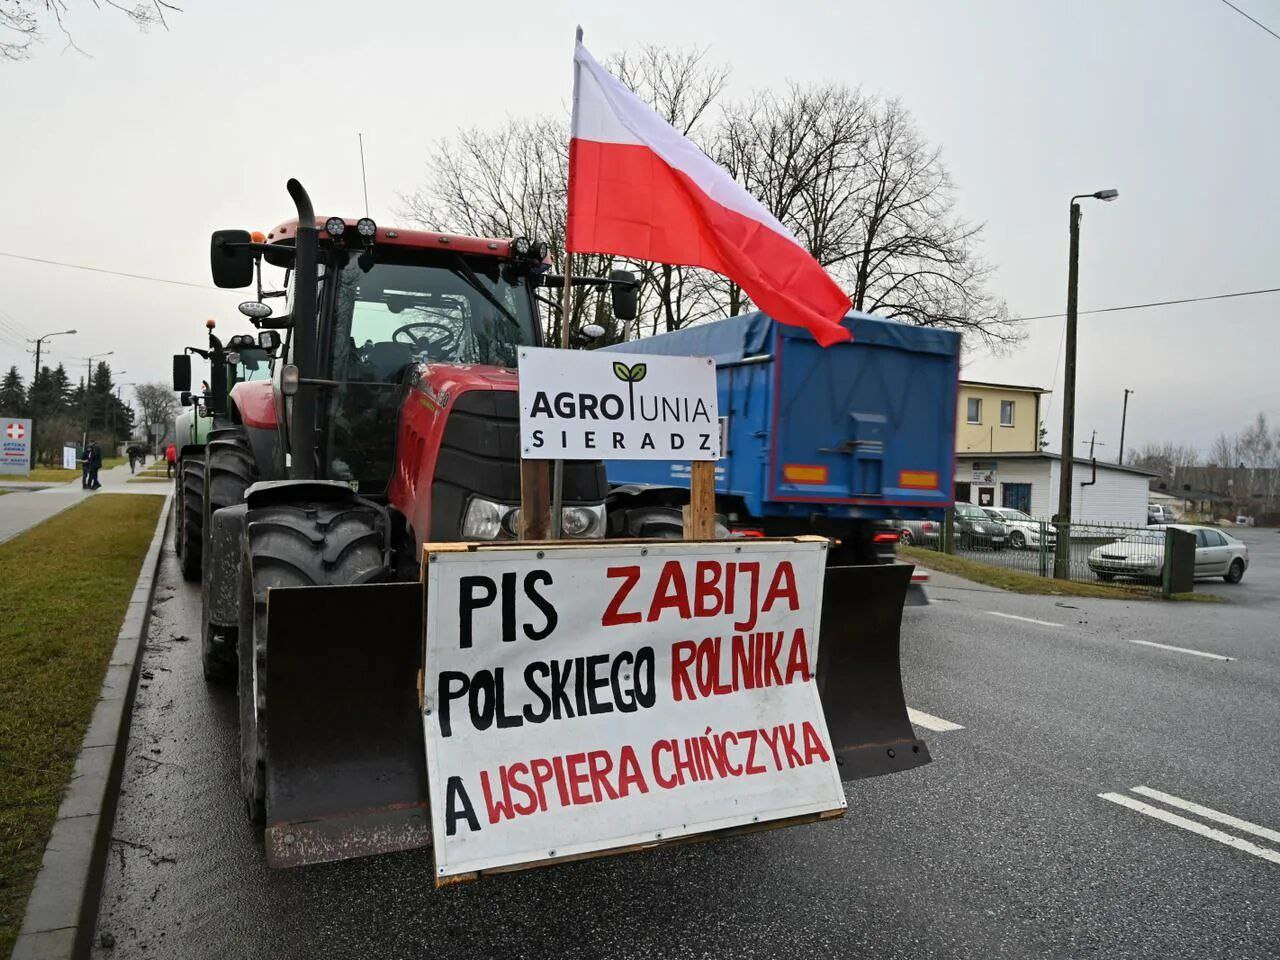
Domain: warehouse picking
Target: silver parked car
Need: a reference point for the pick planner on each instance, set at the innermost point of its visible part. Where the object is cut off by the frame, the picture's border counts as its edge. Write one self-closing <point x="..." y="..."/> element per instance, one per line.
<point x="1024" y="529"/>
<point x="919" y="531"/>
<point x="1141" y="554"/>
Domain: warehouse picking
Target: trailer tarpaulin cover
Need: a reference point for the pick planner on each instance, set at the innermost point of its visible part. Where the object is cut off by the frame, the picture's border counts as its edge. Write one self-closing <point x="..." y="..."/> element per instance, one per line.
<point x="579" y="700"/>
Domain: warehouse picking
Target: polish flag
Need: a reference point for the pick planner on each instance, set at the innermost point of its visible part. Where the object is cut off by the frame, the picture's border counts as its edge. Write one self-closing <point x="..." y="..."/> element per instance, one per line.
<point x="638" y="188"/>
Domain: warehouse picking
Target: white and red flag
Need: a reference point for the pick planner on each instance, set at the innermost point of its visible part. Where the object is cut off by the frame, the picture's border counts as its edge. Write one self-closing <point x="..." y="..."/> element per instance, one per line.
<point x="638" y="188"/>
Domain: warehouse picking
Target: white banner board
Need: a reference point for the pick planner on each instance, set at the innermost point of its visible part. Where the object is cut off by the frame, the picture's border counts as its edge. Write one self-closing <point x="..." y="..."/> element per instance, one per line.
<point x="586" y="699"/>
<point x="15" y="445"/>
<point x="597" y="405"/>
<point x="68" y="456"/>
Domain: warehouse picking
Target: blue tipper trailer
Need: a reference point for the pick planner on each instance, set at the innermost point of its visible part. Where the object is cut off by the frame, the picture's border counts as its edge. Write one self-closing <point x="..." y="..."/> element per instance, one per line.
<point x="840" y="441"/>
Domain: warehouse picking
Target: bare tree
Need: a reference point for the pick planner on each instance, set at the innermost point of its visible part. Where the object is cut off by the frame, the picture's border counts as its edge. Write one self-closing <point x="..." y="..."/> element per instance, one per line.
<point x="1163" y="458"/>
<point x="158" y="404"/>
<point x="848" y="174"/>
<point x="25" y="23"/>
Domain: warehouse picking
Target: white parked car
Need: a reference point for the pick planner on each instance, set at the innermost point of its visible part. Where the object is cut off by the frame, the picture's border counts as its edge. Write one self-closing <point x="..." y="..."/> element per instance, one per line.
<point x="1141" y="554"/>
<point x="1024" y="530"/>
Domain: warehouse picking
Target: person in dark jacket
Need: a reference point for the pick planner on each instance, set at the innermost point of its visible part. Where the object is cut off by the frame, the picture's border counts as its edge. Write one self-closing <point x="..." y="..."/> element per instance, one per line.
<point x="83" y="459"/>
<point x="95" y="464"/>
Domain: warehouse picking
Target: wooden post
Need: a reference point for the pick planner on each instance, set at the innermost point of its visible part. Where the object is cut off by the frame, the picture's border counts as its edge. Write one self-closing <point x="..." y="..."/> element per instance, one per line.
<point x="535" y="500"/>
<point x="700" y="514"/>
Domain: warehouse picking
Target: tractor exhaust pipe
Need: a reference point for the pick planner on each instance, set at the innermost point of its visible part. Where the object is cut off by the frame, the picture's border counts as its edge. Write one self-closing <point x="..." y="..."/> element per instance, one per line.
<point x="305" y="335"/>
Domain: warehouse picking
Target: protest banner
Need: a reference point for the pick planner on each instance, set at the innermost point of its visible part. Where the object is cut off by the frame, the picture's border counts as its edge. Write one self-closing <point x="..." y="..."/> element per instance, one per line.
<point x="589" y="405"/>
<point x="588" y="698"/>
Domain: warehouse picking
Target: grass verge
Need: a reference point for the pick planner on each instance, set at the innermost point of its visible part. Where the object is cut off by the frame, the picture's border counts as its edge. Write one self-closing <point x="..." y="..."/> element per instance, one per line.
<point x="64" y="587"/>
<point x="1017" y="581"/>
<point x="52" y="475"/>
<point x="161" y="478"/>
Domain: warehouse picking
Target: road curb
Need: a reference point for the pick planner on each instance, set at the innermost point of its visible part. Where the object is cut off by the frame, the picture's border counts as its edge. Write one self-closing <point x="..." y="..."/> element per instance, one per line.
<point x="62" y="910"/>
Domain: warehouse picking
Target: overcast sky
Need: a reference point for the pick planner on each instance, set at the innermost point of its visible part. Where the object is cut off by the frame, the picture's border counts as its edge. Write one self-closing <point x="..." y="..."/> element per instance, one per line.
<point x="129" y="159"/>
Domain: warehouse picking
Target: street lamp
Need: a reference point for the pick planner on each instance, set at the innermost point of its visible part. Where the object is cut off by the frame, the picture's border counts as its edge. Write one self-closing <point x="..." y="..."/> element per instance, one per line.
<point x="1062" y="553"/>
<point x="39" y="342"/>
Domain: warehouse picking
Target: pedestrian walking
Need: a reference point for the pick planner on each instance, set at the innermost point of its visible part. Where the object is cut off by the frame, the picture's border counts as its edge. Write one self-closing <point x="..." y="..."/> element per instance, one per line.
<point x="95" y="464"/>
<point x="171" y="459"/>
<point x="133" y="457"/>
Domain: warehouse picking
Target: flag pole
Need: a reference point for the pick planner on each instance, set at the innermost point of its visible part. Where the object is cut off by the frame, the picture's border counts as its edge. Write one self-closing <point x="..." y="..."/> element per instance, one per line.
<point x="557" y="469"/>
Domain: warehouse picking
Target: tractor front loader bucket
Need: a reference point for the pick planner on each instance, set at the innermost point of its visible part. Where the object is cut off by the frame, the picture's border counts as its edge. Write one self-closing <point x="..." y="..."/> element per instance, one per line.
<point x="859" y="674"/>
<point x="346" y="769"/>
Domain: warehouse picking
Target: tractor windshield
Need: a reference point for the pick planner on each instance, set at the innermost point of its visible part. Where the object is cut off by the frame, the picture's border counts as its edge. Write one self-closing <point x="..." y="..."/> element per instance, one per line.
<point x="402" y="309"/>
<point x="446" y="310"/>
<point x="253" y="364"/>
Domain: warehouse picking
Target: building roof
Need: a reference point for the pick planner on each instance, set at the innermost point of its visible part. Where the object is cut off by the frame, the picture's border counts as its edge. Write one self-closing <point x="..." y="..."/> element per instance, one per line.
<point x="1044" y="455"/>
<point x="1003" y="386"/>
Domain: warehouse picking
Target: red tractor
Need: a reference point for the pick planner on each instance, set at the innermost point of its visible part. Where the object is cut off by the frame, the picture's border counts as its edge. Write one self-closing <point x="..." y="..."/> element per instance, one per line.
<point x="391" y="420"/>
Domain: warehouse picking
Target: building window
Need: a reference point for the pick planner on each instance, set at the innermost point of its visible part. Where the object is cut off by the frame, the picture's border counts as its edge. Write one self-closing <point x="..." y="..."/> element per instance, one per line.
<point x="1006" y="413"/>
<point x="975" y="410"/>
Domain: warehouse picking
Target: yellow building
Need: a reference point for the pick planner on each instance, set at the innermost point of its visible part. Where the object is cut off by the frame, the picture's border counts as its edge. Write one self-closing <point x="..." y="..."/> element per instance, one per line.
<point x="997" y="418"/>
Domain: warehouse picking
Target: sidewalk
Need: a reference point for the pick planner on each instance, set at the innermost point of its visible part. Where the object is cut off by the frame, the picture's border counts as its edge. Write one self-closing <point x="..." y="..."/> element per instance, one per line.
<point x="22" y="510"/>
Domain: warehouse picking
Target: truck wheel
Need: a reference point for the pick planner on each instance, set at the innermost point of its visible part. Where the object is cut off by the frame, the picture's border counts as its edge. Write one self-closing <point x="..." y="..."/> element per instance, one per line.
<point x="229" y="469"/>
<point x="191" y="514"/>
<point x="293" y="545"/>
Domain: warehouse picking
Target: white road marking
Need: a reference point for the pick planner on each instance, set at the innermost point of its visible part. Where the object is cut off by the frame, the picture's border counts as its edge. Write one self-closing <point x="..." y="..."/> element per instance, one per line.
<point x="1192" y="826"/>
<point x="930" y="722"/>
<point x="1210" y="814"/>
<point x="1194" y="653"/>
<point x="1014" y="616"/>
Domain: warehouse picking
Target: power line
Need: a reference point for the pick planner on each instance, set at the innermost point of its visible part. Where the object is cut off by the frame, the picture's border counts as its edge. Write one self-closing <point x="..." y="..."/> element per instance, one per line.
<point x="1256" y="23"/>
<point x="113" y="273"/>
<point x="1156" y="303"/>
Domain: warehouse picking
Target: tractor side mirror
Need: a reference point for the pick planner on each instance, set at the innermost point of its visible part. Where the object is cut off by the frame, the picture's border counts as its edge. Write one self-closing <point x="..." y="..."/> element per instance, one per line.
<point x="182" y="371"/>
<point x="231" y="264"/>
<point x="626" y="294"/>
<point x="186" y="398"/>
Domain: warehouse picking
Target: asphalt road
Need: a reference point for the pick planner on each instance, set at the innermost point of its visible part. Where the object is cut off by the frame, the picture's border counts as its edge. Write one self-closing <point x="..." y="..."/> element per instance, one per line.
<point x="1001" y="847"/>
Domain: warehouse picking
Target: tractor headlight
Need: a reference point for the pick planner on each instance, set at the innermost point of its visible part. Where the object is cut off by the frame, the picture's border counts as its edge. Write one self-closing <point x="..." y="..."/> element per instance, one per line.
<point x="483" y="519"/>
<point x="366" y="228"/>
<point x="335" y="227"/>
<point x="583" y="523"/>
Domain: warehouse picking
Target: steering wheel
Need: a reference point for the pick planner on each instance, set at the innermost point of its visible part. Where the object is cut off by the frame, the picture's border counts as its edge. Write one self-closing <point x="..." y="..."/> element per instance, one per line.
<point x="434" y="336"/>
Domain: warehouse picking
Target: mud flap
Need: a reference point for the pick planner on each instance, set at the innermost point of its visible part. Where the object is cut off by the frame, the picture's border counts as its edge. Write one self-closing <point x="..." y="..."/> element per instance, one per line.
<point x="859" y="673"/>
<point x="346" y="769"/>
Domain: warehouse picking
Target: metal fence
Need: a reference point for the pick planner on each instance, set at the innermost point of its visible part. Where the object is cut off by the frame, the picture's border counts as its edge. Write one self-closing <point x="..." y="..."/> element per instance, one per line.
<point x="1125" y="554"/>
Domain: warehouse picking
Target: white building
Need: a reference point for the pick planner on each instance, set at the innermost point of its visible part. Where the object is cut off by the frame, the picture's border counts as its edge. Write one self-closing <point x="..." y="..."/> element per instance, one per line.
<point x="1029" y="482"/>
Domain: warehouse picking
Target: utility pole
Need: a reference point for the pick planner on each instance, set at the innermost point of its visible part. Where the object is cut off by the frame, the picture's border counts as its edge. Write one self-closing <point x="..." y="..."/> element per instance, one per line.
<point x="39" y="341"/>
<point x="1124" y="415"/>
<point x="1062" y="552"/>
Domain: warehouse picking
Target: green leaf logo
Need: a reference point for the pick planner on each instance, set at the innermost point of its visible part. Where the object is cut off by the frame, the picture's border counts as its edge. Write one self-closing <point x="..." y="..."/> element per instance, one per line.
<point x="629" y="374"/>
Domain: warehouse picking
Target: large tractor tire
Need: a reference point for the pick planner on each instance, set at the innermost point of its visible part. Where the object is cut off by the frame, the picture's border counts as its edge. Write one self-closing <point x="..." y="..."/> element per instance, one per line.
<point x="191" y="516"/>
<point x="229" y="470"/>
<point x="293" y="545"/>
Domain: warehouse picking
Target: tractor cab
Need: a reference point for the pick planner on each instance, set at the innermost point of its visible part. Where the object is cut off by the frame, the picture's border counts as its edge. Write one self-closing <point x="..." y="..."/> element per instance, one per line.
<point x="386" y="313"/>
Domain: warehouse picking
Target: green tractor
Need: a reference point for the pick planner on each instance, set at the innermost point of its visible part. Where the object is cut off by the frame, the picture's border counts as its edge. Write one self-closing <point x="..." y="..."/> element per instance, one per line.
<point x="209" y="423"/>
